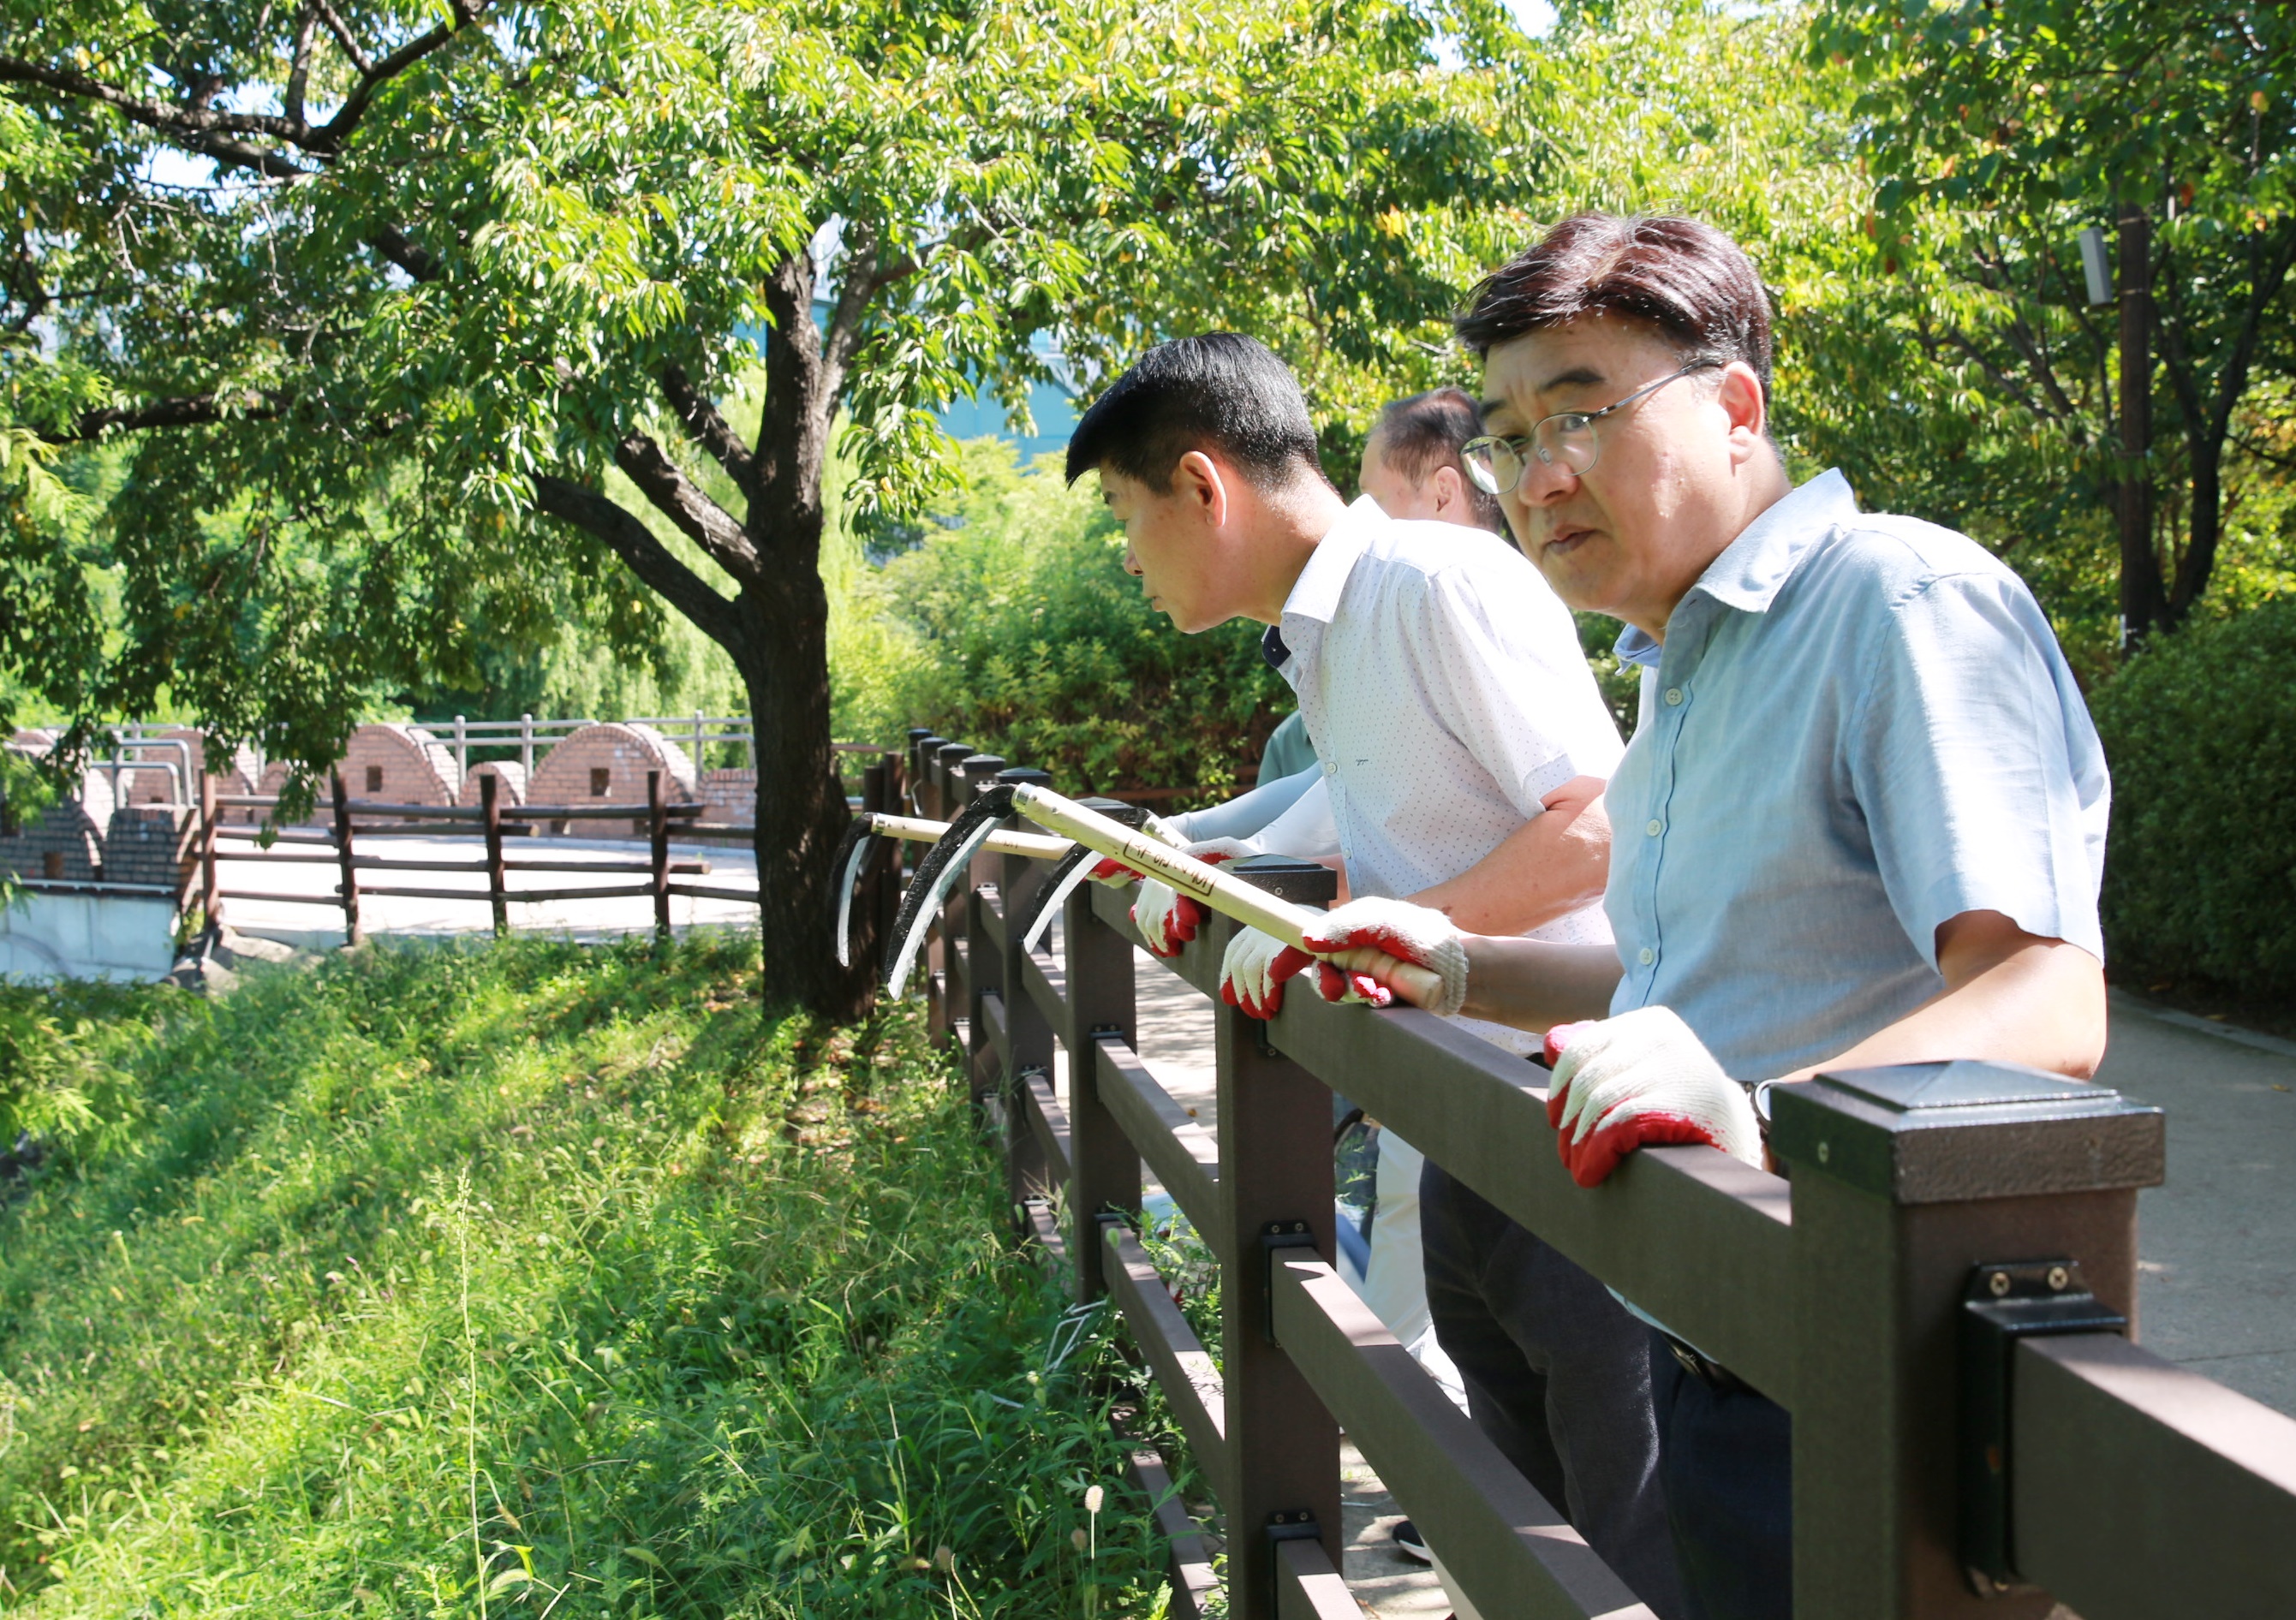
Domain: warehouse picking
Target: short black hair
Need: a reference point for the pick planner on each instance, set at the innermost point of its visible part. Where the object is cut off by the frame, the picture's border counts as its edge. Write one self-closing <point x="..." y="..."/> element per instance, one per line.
<point x="1221" y="392"/>
<point x="1425" y="432"/>
<point x="1683" y="277"/>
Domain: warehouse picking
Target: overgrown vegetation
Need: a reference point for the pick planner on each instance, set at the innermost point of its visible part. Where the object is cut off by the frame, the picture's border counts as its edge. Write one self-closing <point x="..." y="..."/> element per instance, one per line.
<point x="527" y="1279"/>
<point x="2200" y="880"/>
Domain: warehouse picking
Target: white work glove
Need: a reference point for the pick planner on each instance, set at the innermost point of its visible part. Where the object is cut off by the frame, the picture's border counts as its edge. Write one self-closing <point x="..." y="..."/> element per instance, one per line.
<point x="1415" y="933"/>
<point x="1641" y="1077"/>
<point x="1166" y="918"/>
<point x="1253" y="971"/>
<point x="1116" y="874"/>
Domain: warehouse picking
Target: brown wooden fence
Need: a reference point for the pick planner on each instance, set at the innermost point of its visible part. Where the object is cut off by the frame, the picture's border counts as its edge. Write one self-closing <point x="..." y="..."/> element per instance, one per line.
<point x="338" y="843"/>
<point x="1942" y="1291"/>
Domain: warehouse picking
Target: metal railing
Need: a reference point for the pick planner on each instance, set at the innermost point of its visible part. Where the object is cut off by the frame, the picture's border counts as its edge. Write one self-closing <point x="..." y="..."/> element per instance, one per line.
<point x="1942" y="1291"/>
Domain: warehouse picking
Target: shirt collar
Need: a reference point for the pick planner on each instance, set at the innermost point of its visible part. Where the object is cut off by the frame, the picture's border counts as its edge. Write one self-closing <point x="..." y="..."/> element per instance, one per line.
<point x="1316" y="593"/>
<point x="1755" y="567"/>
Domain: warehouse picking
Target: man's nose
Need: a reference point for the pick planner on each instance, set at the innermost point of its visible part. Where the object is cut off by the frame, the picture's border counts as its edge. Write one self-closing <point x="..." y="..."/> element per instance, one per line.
<point x="1543" y="483"/>
<point x="1131" y="562"/>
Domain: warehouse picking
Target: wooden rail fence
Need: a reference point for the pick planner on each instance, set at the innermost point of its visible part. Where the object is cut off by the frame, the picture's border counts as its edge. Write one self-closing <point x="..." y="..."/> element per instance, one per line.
<point x="340" y="844"/>
<point x="1943" y="1292"/>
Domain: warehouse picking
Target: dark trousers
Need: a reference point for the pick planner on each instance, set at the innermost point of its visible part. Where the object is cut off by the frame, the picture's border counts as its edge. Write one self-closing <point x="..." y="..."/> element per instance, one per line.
<point x="1726" y="1456"/>
<point x="1558" y="1376"/>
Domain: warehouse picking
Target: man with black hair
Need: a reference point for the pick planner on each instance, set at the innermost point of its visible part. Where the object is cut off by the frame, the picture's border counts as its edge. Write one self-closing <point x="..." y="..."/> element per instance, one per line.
<point x="1465" y="746"/>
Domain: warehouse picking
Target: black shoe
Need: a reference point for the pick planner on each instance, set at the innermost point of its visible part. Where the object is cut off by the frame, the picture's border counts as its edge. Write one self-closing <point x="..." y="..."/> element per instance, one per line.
<point x="1411" y="1543"/>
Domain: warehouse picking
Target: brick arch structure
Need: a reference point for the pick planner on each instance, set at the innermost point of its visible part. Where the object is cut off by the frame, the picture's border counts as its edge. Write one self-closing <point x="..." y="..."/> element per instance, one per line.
<point x="607" y="764"/>
<point x="509" y="772"/>
<point x="395" y="762"/>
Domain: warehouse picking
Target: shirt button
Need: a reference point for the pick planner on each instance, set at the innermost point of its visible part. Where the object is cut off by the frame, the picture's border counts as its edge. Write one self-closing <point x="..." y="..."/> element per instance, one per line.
<point x="1646" y="956"/>
<point x="1330" y="769"/>
<point x="1655" y="827"/>
<point x="1674" y="694"/>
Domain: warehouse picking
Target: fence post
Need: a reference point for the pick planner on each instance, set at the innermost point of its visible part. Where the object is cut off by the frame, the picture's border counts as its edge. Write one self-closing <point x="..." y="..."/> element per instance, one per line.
<point x="1102" y="1004"/>
<point x="1275" y="1193"/>
<point x="876" y="881"/>
<point x="657" y="834"/>
<point x="886" y="869"/>
<point x="208" y="885"/>
<point x="984" y="960"/>
<point x="1028" y="1032"/>
<point x="343" y="853"/>
<point x="462" y="752"/>
<point x="497" y="884"/>
<point x="1905" y="1180"/>
<point x="526" y="746"/>
<point x="951" y="982"/>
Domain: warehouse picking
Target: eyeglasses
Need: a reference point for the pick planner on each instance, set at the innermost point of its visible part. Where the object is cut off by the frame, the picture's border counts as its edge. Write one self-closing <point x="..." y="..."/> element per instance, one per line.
<point x="1566" y="440"/>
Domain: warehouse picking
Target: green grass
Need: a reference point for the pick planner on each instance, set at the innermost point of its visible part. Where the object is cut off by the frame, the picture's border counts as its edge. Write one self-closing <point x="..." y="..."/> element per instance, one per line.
<point x="533" y="1279"/>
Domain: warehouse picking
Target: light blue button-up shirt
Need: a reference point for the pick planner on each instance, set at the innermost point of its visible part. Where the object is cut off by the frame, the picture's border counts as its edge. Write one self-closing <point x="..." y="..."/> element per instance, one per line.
<point x="1857" y="728"/>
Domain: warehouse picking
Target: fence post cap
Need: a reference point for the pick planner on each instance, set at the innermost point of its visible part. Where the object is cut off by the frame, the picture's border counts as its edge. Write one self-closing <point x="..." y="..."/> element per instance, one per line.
<point x="1028" y="774"/>
<point x="1290" y="878"/>
<point x="1954" y="1132"/>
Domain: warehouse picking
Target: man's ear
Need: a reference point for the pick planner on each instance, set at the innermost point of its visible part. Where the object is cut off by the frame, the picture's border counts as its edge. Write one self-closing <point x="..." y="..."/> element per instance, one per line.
<point x="1448" y="490"/>
<point x="1202" y="482"/>
<point x="1739" y="395"/>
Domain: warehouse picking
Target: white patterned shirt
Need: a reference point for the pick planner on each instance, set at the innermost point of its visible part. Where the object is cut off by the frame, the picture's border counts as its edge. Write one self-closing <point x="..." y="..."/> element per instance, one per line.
<point x="1445" y="692"/>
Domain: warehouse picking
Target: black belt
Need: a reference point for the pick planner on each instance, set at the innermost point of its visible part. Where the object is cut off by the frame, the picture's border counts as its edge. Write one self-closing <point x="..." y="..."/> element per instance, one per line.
<point x="1706" y="1370"/>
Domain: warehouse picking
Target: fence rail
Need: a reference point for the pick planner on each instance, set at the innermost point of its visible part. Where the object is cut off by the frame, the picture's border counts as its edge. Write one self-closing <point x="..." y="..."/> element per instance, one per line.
<point x="354" y="818"/>
<point x="1973" y="1433"/>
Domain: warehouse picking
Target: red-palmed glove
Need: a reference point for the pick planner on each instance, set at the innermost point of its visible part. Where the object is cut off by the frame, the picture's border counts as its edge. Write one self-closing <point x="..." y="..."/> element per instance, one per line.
<point x="1642" y="1077"/>
<point x="1166" y="918"/>
<point x="1253" y="971"/>
<point x="1412" y="933"/>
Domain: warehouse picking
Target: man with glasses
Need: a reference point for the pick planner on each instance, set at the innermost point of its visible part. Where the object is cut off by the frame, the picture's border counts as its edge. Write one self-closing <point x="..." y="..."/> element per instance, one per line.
<point x="1861" y="821"/>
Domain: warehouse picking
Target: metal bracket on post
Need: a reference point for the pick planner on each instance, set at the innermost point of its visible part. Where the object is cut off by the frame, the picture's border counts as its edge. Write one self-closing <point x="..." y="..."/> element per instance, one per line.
<point x="1274" y="1237"/>
<point x="1298" y="1525"/>
<point x="2003" y="1302"/>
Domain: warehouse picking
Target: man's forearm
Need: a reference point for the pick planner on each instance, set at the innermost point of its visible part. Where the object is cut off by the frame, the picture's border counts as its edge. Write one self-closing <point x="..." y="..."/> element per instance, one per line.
<point x="1550" y="866"/>
<point x="2009" y="997"/>
<point x="1533" y="983"/>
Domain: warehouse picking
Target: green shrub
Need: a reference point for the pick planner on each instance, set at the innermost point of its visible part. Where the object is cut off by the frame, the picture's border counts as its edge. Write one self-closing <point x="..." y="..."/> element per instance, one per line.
<point x="2200" y="879"/>
<point x="1016" y="629"/>
<point x="534" y="1278"/>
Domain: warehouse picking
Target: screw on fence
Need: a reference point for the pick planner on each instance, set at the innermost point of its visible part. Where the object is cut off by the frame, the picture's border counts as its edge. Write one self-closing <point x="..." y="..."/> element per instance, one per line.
<point x="498" y="887"/>
<point x="345" y="856"/>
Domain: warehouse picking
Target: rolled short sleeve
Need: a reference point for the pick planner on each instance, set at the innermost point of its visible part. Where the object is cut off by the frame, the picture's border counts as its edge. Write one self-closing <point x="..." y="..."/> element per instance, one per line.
<point x="1543" y="722"/>
<point x="1974" y="764"/>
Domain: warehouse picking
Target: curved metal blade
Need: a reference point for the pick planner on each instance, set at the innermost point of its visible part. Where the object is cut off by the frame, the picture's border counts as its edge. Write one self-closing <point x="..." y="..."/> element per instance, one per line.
<point x="852" y="855"/>
<point x="1058" y="884"/>
<point x="943" y="869"/>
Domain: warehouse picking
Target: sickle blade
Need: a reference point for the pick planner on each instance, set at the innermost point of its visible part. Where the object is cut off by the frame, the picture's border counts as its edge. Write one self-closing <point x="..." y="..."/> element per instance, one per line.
<point x="1060" y="883"/>
<point x="944" y="867"/>
<point x="852" y="855"/>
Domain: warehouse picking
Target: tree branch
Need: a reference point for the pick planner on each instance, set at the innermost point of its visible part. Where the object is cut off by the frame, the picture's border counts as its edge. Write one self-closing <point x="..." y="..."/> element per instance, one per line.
<point x="359" y="58"/>
<point x="409" y="255"/>
<point x="189" y="411"/>
<point x="709" y="429"/>
<point x="299" y="76"/>
<point x="701" y="520"/>
<point x="622" y="533"/>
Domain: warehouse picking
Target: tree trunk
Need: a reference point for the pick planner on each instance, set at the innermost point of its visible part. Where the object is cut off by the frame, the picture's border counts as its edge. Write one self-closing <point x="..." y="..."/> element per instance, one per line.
<point x="801" y="810"/>
<point x="2200" y="559"/>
